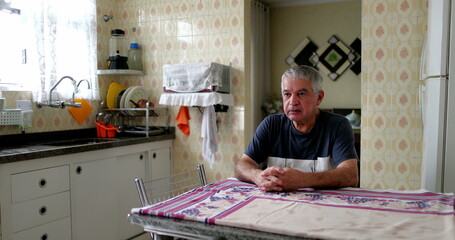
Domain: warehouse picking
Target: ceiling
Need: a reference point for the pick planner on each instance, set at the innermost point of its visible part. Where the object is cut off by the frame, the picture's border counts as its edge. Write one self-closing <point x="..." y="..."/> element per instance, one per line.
<point x="287" y="3"/>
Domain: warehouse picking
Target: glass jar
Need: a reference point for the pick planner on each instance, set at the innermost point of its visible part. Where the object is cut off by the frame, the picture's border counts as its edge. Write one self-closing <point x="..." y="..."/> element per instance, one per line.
<point x="117" y="43"/>
<point x="135" y="57"/>
<point x="117" y="50"/>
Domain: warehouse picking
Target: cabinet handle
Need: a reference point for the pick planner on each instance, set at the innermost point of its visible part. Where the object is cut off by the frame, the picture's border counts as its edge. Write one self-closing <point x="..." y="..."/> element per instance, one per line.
<point x="79" y="170"/>
<point x="44" y="236"/>
<point x="42" y="182"/>
<point x="141" y="157"/>
<point x="154" y="155"/>
<point x="43" y="210"/>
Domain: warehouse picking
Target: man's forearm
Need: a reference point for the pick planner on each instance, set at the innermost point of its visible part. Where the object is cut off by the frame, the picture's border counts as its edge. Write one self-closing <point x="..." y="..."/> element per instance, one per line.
<point x="246" y="169"/>
<point x="278" y="179"/>
<point x="332" y="178"/>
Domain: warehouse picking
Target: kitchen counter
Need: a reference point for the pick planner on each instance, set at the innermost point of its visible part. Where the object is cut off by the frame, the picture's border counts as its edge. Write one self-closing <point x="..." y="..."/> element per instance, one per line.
<point x="23" y="147"/>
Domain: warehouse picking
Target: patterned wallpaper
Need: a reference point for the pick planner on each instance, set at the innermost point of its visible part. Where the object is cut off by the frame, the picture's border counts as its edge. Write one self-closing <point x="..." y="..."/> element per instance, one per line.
<point x="392" y="40"/>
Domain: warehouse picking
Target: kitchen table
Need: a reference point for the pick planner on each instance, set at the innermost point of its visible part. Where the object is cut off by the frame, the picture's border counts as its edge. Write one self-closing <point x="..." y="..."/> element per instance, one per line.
<point x="239" y="210"/>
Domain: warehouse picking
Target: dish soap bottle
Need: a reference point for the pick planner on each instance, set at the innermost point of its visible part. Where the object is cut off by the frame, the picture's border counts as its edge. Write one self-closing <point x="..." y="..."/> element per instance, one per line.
<point x="135" y="57"/>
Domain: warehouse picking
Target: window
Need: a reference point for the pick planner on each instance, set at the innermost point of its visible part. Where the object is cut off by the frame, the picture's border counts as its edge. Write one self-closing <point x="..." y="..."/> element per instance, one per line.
<point x="48" y="40"/>
<point x="16" y="35"/>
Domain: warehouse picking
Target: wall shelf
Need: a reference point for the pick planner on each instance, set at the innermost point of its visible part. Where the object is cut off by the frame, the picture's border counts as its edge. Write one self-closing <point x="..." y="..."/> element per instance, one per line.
<point x="119" y="72"/>
<point x="201" y="99"/>
<point x="186" y="84"/>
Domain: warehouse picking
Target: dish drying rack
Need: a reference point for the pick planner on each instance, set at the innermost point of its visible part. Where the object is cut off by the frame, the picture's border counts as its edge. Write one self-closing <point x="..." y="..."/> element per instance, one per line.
<point x="146" y="113"/>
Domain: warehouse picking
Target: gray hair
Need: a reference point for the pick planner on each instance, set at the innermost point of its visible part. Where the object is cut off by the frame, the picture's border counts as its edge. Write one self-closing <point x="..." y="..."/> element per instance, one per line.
<point x="304" y="72"/>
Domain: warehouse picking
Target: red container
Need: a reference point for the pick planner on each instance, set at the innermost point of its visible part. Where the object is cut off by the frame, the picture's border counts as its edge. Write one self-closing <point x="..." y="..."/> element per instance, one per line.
<point x="105" y="130"/>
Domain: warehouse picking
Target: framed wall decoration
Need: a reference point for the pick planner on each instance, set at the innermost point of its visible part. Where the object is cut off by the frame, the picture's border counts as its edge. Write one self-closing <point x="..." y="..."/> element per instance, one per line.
<point x="334" y="58"/>
<point x="356" y="45"/>
<point x="302" y="53"/>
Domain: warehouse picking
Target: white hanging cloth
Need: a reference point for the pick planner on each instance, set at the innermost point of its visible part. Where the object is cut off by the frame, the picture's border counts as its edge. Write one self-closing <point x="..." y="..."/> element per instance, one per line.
<point x="209" y="135"/>
<point x="203" y="99"/>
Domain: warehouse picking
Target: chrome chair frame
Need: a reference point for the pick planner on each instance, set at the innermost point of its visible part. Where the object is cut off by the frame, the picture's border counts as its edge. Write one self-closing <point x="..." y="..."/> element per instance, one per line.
<point x="164" y="188"/>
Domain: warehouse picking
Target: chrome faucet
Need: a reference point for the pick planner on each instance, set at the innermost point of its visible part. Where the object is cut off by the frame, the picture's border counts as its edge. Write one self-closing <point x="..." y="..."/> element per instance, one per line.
<point x="84" y="80"/>
<point x="76" y="90"/>
<point x="62" y="104"/>
<point x="56" y="84"/>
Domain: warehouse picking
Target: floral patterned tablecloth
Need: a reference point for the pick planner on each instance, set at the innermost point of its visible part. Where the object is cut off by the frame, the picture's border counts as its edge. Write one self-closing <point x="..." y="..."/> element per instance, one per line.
<point x="346" y="213"/>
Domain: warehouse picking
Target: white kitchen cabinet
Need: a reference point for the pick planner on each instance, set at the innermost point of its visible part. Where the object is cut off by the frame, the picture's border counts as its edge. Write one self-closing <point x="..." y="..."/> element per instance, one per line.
<point x="160" y="162"/>
<point x="39" y="183"/>
<point x="109" y="183"/>
<point x="129" y="167"/>
<point x="39" y="198"/>
<point x="60" y="229"/>
<point x="93" y="190"/>
<point x="40" y="211"/>
<point x="88" y="194"/>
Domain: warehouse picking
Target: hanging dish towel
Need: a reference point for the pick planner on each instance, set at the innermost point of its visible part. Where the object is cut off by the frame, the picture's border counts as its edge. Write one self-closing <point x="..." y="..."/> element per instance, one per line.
<point x="183" y="118"/>
<point x="80" y="114"/>
<point x="209" y="135"/>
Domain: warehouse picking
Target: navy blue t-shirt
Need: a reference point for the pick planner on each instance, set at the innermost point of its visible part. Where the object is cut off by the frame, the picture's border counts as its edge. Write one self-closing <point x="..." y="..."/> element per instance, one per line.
<point x="276" y="137"/>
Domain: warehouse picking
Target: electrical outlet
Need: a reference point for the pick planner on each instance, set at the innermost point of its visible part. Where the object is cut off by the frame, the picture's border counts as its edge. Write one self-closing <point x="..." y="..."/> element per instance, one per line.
<point x="24" y="104"/>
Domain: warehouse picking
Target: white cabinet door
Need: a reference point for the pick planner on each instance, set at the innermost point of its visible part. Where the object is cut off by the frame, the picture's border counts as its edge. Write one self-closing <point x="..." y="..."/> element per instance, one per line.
<point x="93" y="200"/>
<point x="129" y="167"/>
<point x="160" y="163"/>
<point x="160" y="168"/>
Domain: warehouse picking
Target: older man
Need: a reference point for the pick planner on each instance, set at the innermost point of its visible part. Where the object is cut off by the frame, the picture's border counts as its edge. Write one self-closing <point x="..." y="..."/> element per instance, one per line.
<point x="304" y="146"/>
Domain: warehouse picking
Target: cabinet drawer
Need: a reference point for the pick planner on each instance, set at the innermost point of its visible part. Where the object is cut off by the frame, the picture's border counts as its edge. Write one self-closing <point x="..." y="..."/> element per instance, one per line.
<point x="60" y="229"/>
<point x="41" y="210"/>
<point x="39" y="183"/>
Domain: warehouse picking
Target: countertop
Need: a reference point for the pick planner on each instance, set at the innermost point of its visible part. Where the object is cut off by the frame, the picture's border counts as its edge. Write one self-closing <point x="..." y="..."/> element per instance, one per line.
<point x="23" y="147"/>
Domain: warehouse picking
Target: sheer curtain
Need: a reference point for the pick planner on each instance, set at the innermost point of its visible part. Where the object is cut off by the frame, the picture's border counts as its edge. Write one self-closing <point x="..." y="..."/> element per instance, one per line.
<point x="64" y="44"/>
<point x="260" y="55"/>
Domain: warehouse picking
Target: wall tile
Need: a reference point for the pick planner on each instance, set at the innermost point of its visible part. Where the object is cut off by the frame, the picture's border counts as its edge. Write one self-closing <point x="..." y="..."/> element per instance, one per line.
<point x="178" y="31"/>
<point x="391" y="129"/>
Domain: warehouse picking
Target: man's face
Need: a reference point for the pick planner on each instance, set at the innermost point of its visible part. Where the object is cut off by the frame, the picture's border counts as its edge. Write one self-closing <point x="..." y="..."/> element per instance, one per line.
<point x="299" y="100"/>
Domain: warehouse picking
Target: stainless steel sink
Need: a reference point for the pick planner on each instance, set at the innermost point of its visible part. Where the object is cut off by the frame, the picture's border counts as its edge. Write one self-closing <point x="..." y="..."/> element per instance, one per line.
<point x="84" y="141"/>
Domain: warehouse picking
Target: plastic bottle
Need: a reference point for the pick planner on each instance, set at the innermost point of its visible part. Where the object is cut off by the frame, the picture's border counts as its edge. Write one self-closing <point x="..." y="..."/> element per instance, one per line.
<point x="135" y="57"/>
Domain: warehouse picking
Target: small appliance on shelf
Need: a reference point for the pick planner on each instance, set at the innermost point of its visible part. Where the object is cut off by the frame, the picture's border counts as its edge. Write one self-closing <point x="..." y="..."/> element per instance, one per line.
<point x="196" y="77"/>
<point x="118" y="50"/>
